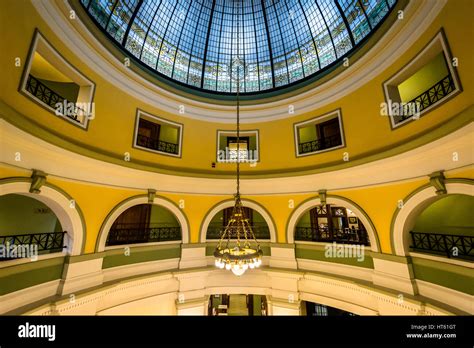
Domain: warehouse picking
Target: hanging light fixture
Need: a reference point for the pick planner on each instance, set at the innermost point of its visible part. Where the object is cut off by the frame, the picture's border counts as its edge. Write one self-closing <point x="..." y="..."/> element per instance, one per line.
<point x="238" y="249"/>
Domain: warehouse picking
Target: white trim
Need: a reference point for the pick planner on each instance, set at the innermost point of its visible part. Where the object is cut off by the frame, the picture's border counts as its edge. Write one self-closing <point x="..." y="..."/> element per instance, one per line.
<point x="317" y="120"/>
<point x="16" y="262"/>
<point x="333" y="268"/>
<point x="303" y="208"/>
<point x="418" y="16"/>
<point x="120" y="272"/>
<point x="68" y="216"/>
<point x="246" y="203"/>
<point x="107" y="224"/>
<point x="407" y="215"/>
<point x="86" y="86"/>
<point x="37" y="153"/>
<point x="232" y="133"/>
<point x="121" y="246"/>
<point x="456" y="299"/>
<point x="413" y="66"/>
<point x="443" y="259"/>
<point x="160" y="121"/>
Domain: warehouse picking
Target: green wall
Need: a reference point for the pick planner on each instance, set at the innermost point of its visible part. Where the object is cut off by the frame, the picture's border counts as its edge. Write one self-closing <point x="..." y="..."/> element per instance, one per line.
<point x="160" y="215"/>
<point x="169" y="134"/>
<point x="423" y="79"/>
<point x="20" y="215"/>
<point x="304" y="220"/>
<point x="307" y="133"/>
<point x="453" y="214"/>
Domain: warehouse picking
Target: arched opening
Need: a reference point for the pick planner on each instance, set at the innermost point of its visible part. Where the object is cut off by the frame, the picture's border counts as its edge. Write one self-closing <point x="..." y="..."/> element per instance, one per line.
<point x="312" y="309"/>
<point x="331" y="223"/>
<point x="445" y="227"/>
<point x="237" y="305"/>
<point x="28" y="228"/>
<point x="144" y="223"/>
<point x="220" y="220"/>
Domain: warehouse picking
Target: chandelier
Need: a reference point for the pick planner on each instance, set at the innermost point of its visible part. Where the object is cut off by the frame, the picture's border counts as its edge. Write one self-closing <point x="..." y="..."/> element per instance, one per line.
<point x="238" y="249"/>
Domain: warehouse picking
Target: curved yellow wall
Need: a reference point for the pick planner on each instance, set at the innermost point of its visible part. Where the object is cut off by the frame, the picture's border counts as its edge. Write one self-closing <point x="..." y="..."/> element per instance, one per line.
<point x="111" y="132"/>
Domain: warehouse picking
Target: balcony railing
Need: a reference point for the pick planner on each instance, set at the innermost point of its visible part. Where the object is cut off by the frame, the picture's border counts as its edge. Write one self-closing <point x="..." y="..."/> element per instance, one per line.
<point x="138" y="233"/>
<point x="429" y="97"/>
<point x="338" y="235"/>
<point x="260" y="230"/>
<point x="320" y="144"/>
<point x="452" y="246"/>
<point x="23" y="245"/>
<point x="158" y="145"/>
<point x="45" y="94"/>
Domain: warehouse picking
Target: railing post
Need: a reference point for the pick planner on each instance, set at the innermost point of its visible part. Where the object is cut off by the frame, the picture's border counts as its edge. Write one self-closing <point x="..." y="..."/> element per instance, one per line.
<point x="446" y="246"/>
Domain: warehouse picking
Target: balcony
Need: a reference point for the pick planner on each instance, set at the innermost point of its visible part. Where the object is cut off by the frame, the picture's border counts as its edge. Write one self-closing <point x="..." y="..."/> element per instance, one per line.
<point x="451" y="246"/>
<point x="138" y="233"/>
<point x="338" y="235"/>
<point x="157" y="145"/>
<point x="320" y="144"/>
<point x="49" y="242"/>
<point x="260" y="230"/>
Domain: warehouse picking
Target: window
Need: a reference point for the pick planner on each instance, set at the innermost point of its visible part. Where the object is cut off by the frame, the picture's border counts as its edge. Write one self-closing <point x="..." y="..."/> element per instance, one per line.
<point x="158" y="135"/>
<point x="228" y="149"/>
<point x="56" y="85"/>
<point x="426" y="82"/>
<point x="319" y="134"/>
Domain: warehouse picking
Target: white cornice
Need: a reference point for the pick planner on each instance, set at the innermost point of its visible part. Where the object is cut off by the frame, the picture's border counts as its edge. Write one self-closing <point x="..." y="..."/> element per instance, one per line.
<point x="413" y="164"/>
<point x="418" y="16"/>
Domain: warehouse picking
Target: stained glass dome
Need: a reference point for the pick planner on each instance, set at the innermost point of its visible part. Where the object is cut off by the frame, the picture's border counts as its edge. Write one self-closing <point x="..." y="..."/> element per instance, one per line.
<point x="281" y="42"/>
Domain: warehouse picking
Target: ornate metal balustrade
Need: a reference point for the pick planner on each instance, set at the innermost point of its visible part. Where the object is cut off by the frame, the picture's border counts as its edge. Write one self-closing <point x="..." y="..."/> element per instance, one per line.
<point x="45" y="94"/>
<point x="138" y="233"/>
<point x="320" y="144"/>
<point x="260" y="230"/>
<point x="343" y="236"/>
<point x="432" y="95"/>
<point x="21" y="245"/>
<point x="158" y="145"/>
<point x="452" y="246"/>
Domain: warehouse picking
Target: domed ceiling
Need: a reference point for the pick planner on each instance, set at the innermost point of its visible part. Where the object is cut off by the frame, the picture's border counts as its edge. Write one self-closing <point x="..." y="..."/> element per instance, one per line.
<point x="280" y="42"/>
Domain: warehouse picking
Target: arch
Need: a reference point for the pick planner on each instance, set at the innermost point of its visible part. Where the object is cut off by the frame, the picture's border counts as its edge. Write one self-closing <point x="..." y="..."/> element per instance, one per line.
<point x="230" y="203"/>
<point x="332" y="199"/>
<point x="136" y="200"/>
<point x="404" y="219"/>
<point x="70" y="216"/>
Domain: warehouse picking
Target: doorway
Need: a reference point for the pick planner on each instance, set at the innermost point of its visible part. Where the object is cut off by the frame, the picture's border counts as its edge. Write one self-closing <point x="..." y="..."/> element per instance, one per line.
<point x="237" y="305"/>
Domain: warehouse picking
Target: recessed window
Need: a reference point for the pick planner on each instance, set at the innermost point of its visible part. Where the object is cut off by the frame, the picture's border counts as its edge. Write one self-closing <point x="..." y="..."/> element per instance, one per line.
<point x="229" y="149"/>
<point x="56" y="85"/>
<point x="319" y="134"/>
<point x="426" y="82"/>
<point x="158" y="135"/>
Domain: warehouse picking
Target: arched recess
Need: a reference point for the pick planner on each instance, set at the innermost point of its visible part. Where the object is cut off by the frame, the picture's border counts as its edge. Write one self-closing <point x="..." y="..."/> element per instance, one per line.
<point x="404" y="219"/>
<point x="336" y="200"/>
<point x="63" y="206"/>
<point x="141" y="199"/>
<point x="230" y="203"/>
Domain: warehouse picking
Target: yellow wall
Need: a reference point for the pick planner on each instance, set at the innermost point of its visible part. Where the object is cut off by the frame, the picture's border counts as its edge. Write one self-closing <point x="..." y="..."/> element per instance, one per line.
<point x="112" y="130"/>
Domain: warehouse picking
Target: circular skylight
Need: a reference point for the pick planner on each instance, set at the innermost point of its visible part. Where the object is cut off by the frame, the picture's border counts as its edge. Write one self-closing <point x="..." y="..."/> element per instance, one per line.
<point x="280" y="42"/>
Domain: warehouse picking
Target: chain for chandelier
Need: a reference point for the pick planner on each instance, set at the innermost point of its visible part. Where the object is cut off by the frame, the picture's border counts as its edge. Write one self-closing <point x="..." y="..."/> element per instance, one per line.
<point x="238" y="249"/>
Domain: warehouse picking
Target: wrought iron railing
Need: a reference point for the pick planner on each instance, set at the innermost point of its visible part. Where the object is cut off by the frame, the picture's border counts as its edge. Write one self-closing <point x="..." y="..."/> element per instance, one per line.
<point x="139" y="233"/>
<point x="429" y="97"/>
<point x="320" y="144"/>
<point x="45" y="94"/>
<point x="158" y="145"/>
<point x="260" y="230"/>
<point x="22" y="245"/>
<point x="452" y="246"/>
<point x="338" y="235"/>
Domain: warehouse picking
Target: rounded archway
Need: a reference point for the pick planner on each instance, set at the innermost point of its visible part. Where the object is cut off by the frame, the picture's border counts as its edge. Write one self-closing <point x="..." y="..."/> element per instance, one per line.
<point x="212" y="223"/>
<point x="164" y="221"/>
<point x="406" y="218"/>
<point x="345" y="220"/>
<point x="64" y="208"/>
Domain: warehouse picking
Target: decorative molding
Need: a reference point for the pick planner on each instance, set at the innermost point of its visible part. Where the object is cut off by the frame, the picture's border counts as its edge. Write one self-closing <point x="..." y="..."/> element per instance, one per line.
<point x="151" y="196"/>
<point x="437" y="180"/>
<point x="38" y="179"/>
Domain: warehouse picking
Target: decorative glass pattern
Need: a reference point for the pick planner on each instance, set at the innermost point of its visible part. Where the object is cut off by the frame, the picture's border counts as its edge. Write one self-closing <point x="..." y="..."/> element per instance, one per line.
<point x="281" y="41"/>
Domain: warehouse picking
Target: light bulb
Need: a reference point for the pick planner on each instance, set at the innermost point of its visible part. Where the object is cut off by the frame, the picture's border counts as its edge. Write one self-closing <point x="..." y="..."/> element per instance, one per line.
<point x="221" y="265"/>
<point x="252" y="265"/>
<point x="245" y="266"/>
<point x="238" y="271"/>
<point x="217" y="263"/>
<point x="227" y="266"/>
